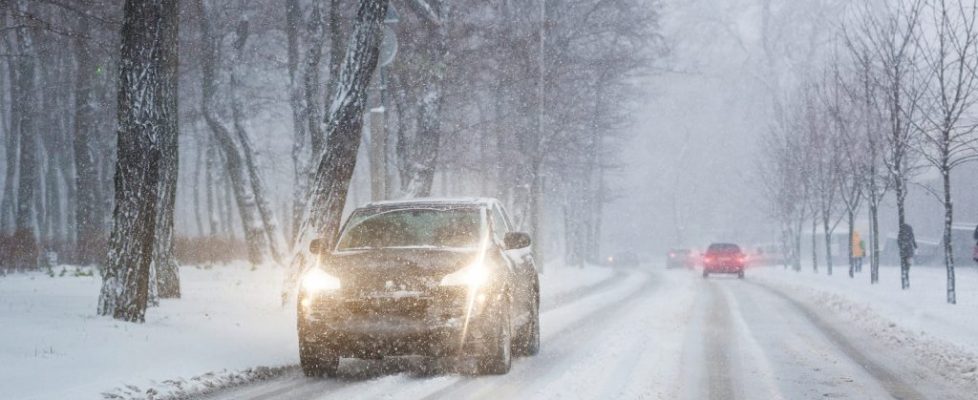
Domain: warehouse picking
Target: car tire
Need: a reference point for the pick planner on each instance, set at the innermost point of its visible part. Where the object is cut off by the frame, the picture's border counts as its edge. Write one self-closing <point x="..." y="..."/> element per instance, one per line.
<point x="706" y="274"/>
<point x="499" y="357"/>
<point x="316" y="361"/>
<point x="740" y="275"/>
<point x="528" y="341"/>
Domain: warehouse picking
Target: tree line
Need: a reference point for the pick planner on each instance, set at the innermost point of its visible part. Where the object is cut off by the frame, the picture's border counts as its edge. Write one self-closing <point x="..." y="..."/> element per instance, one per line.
<point x="103" y="123"/>
<point x="894" y="99"/>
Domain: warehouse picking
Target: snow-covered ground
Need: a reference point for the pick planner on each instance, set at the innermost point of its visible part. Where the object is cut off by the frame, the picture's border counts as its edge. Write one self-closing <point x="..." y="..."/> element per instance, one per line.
<point x="52" y="345"/>
<point x="229" y="326"/>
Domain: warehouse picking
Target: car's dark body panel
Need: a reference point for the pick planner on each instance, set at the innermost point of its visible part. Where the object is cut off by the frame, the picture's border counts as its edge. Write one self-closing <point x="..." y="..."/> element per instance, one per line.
<point x="391" y="302"/>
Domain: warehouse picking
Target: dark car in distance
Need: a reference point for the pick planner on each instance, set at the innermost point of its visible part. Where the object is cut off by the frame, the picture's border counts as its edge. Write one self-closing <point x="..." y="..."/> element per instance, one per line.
<point x="421" y="277"/>
<point x="680" y="258"/>
<point x="724" y="258"/>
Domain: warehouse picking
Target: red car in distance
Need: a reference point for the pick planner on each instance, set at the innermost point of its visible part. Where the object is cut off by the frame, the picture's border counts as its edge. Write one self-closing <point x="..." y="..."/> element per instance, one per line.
<point x="724" y="258"/>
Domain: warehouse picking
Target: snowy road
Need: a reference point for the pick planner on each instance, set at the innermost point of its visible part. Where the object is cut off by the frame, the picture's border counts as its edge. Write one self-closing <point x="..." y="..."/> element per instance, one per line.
<point x="654" y="334"/>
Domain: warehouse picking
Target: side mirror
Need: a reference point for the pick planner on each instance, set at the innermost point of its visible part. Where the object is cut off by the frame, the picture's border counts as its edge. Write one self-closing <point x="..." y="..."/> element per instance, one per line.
<point x="517" y="240"/>
<point x="317" y="246"/>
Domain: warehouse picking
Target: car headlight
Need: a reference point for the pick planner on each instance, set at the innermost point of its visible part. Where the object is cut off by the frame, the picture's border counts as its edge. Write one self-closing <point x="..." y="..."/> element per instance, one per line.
<point x="317" y="280"/>
<point x="472" y="276"/>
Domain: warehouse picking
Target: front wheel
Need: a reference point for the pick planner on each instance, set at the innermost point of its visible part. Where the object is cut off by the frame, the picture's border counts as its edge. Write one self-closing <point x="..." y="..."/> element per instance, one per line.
<point x="528" y="341"/>
<point x="316" y="361"/>
<point x="499" y="357"/>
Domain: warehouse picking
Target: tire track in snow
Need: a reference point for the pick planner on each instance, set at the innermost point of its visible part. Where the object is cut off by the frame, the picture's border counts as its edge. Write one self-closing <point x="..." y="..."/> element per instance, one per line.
<point x="895" y="386"/>
<point x="717" y="347"/>
<point x="542" y="366"/>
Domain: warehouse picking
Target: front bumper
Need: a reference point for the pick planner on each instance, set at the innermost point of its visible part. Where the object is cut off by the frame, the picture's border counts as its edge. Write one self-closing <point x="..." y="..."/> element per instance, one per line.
<point x="375" y="326"/>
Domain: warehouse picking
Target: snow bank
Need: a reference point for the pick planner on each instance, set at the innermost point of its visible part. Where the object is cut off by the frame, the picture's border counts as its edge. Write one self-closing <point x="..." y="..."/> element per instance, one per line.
<point x="945" y="336"/>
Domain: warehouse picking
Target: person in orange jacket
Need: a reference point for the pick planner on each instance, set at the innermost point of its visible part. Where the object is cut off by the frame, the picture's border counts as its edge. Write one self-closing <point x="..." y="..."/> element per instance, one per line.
<point x="858" y="251"/>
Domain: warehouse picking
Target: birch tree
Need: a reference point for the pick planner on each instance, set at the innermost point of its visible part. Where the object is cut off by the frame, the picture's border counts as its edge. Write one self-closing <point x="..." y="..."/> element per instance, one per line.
<point x="950" y="58"/>
<point x="890" y="33"/>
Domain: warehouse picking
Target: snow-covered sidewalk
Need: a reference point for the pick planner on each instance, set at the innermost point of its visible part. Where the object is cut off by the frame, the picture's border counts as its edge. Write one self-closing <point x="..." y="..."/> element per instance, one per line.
<point x="52" y="346"/>
<point x="918" y="319"/>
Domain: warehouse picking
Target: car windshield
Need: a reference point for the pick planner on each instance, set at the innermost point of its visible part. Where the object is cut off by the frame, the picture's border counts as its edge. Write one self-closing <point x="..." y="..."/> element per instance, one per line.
<point x="412" y="227"/>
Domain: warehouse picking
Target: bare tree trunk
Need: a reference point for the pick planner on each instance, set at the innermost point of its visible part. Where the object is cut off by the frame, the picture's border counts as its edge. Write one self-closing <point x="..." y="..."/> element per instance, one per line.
<point x="905" y="253"/>
<point x="796" y="255"/>
<point x="227" y="205"/>
<point x="311" y="81"/>
<point x="827" y="231"/>
<point x="814" y="244"/>
<point x="167" y="272"/>
<point x="952" y="297"/>
<point x="336" y="48"/>
<point x="268" y="219"/>
<point x="12" y="147"/>
<point x="874" y="242"/>
<point x="852" y="261"/>
<point x="211" y="194"/>
<point x="428" y="138"/>
<point x="535" y="211"/>
<point x="147" y="118"/>
<point x="293" y="18"/>
<point x="344" y="123"/>
<point x="195" y="186"/>
<point x="24" y="238"/>
<point x="244" y="197"/>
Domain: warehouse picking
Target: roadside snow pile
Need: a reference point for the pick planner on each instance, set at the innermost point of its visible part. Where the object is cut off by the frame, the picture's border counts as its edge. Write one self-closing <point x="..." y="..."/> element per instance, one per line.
<point x="180" y="389"/>
<point x="942" y="335"/>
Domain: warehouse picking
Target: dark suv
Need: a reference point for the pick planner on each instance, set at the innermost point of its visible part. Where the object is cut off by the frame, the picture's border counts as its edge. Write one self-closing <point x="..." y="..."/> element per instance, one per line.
<point x="724" y="258"/>
<point x="421" y="277"/>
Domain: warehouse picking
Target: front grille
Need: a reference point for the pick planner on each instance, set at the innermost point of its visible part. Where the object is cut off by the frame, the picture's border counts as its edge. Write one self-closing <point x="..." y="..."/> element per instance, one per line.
<point x="369" y="285"/>
<point x="408" y="307"/>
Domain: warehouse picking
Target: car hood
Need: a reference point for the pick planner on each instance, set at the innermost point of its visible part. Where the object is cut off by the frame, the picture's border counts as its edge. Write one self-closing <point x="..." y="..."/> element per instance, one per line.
<point x="396" y="268"/>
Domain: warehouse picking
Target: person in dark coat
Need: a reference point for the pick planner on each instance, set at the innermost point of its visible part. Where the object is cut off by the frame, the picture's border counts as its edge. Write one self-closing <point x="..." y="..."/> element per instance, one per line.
<point x="974" y="253"/>
<point x="906" y="242"/>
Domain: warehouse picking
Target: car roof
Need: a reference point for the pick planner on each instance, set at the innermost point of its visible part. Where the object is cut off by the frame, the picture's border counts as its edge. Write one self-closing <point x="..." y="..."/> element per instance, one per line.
<point x="434" y="202"/>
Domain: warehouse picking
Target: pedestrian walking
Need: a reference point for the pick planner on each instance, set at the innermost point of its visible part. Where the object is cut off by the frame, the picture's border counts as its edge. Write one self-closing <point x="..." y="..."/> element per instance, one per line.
<point x="858" y="251"/>
<point x="907" y="242"/>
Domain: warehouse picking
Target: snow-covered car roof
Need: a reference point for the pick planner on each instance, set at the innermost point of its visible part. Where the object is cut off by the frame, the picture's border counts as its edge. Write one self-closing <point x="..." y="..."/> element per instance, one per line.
<point x="432" y="201"/>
